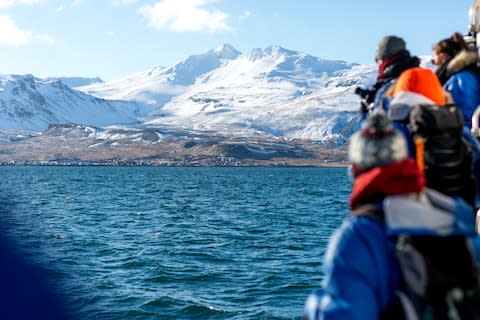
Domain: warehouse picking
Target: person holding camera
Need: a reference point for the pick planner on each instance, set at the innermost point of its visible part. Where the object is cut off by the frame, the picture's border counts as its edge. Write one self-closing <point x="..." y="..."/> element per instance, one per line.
<point x="392" y="59"/>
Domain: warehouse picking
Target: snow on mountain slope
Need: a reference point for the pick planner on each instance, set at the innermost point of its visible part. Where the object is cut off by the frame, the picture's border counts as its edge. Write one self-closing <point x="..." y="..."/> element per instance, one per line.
<point x="158" y="85"/>
<point x="323" y="115"/>
<point x="29" y="103"/>
<point x="150" y="87"/>
<point x="273" y="91"/>
<point x="274" y="64"/>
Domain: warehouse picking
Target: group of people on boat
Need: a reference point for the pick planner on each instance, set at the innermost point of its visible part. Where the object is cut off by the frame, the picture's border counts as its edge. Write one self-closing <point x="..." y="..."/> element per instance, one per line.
<point x="410" y="248"/>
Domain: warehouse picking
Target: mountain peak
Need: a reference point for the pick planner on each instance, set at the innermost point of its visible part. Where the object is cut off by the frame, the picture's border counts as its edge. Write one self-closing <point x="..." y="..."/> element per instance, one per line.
<point x="270" y="51"/>
<point x="278" y="50"/>
<point x="73" y="82"/>
<point x="226" y="51"/>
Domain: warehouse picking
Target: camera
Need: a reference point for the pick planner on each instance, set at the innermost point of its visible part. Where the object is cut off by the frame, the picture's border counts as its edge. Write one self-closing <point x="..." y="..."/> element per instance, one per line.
<point x="367" y="96"/>
<point x="363" y="93"/>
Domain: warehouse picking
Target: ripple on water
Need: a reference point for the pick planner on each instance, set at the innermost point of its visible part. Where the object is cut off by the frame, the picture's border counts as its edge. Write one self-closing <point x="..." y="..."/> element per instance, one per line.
<point x="177" y="243"/>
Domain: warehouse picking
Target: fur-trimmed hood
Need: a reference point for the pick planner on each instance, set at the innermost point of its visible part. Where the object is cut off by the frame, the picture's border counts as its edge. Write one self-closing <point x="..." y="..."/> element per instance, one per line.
<point x="462" y="60"/>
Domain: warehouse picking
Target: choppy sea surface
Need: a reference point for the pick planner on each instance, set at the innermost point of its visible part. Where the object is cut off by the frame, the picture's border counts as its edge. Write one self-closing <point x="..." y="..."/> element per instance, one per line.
<point x="176" y="243"/>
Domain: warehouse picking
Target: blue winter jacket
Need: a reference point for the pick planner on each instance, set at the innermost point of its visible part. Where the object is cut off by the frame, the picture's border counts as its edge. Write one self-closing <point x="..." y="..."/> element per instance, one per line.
<point x="464" y="87"/>
<point x="381" y="101"/>
<point x="361" y="275"/>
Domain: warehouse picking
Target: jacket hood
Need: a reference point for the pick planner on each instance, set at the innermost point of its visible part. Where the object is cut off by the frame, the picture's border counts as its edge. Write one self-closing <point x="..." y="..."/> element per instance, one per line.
<point x="421" y="81"/>
<point x="462" y="60"/>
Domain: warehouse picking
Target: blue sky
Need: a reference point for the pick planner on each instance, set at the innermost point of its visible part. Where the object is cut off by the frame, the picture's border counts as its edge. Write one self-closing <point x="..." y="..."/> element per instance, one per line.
<point x="114" y="38"/>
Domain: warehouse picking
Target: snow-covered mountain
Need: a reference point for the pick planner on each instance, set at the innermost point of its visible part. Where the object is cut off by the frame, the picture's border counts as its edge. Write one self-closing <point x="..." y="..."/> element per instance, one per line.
<point x="158" y="85"/>
<point x="32" y="104"/>
<point x="269" y="106"/>
<point x="271" y="92"/>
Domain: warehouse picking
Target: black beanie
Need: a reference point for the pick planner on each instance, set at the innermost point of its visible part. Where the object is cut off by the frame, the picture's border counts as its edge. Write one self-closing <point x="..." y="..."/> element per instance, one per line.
<point x="389" y="46"/>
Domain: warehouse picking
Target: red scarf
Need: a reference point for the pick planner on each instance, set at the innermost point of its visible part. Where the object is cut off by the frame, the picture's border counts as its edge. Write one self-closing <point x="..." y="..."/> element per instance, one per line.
<point x="398" y="178"/>
<point x="384" y="65"/>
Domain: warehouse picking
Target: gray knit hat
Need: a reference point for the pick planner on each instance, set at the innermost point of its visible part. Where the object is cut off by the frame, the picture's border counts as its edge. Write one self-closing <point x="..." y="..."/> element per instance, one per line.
<point x="389" y="46"/>
<point x="377" y="144"/>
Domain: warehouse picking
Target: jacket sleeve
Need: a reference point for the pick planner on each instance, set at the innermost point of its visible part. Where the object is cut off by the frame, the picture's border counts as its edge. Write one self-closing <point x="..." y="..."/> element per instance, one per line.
<point x="360" y="276"/>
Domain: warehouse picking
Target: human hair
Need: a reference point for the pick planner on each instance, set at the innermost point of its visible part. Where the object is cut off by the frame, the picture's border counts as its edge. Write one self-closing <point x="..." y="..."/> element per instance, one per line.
<point x="451" y="46"/>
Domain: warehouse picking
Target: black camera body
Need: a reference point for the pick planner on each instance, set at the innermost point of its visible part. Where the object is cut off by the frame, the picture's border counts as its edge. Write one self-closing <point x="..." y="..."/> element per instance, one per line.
<point x="367" y="96"/>
<point x="363" y="93"/>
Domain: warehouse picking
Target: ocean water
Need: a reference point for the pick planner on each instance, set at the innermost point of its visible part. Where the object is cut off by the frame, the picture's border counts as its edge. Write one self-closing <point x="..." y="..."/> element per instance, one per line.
<point x="176" y="243"/>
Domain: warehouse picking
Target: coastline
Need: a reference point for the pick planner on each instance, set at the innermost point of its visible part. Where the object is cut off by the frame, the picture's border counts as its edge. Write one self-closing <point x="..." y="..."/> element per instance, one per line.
<point x="178" y="165"/>
<point x="194" y="150"/>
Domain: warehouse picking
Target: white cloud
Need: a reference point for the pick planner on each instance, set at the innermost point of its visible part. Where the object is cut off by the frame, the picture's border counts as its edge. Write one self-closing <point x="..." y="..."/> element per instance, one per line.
<point x="12" y="3"/>
<point x="12" y="35"/>
<point x="60" y="8"/>
<point x="185" y="15"/>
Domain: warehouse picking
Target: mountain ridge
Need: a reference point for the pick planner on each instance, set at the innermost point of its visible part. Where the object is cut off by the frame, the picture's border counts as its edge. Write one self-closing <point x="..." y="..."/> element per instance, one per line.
<point x="270" y="97"/>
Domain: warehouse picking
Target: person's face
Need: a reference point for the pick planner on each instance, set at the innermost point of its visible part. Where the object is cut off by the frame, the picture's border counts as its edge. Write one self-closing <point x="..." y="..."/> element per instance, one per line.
<point x="438" y="58"/>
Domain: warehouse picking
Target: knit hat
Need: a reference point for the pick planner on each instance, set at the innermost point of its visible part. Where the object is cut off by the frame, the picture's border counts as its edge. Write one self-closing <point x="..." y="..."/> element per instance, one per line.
<point x="389" y="46"/>
<point x="377" y="144"/>
<point x="421" y="81"/>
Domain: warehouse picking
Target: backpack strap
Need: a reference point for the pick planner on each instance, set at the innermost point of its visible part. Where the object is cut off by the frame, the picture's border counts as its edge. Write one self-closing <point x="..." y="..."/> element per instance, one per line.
<point x="419" y="153"/>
